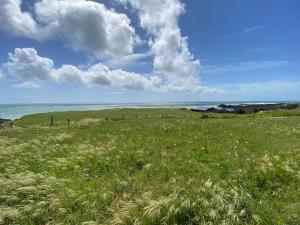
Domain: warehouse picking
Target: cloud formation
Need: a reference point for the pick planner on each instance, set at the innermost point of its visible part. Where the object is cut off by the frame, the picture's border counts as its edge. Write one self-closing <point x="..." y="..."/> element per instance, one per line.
<point x="27" y="85"/>
<point x="82" y="25"/>
<point x="172" y="57"/>
<point x="14" y="21"/>
<point x="26" y="64"/>
<point x="89" y="26"/>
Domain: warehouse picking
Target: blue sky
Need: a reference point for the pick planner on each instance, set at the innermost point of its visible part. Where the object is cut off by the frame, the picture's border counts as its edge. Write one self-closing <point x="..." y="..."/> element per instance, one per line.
<point x="162" y="50"/>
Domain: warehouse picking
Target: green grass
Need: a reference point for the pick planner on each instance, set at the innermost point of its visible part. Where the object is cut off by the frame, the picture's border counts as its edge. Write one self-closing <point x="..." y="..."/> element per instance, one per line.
<point x="151" y="166"/>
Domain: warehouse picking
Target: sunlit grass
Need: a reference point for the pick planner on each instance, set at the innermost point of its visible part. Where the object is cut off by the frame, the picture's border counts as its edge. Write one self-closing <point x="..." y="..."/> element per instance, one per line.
<point x="151" y="166"/>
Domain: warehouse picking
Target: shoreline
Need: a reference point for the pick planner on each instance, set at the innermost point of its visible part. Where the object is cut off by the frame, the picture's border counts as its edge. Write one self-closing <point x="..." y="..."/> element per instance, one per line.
<point x="3" y="120"/>
<point x="246" y="108"/>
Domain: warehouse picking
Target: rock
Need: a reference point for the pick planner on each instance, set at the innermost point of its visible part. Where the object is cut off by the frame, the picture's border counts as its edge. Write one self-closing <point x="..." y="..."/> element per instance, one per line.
<point x="248" y="108"/>
<point x="254" y="108"/>
<point x="198" y="110"/>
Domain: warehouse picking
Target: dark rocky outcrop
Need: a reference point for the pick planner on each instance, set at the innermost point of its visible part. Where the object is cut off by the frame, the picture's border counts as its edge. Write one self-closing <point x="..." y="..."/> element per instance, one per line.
<point x="248" y="108"/>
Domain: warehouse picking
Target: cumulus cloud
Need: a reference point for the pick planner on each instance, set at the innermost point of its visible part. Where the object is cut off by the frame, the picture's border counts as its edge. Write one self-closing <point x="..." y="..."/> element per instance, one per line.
<point x="26" y="64"/>
<point x="90" y="26"/>
<point x="100" y="75"/>
<point x="14" y="21"/>
<point x="157" y="14"/>
<point x="172" y="57"/>
<point x="27" y="85"/>
<point x="83" y="25"/>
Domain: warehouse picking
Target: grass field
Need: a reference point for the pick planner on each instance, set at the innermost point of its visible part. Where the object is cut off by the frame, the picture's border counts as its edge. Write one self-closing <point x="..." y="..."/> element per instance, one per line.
<point x="151" y="166"/>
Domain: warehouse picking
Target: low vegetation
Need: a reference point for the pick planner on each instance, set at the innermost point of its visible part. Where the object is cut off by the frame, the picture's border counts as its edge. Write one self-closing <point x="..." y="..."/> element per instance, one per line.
<point x="151" y="166"/>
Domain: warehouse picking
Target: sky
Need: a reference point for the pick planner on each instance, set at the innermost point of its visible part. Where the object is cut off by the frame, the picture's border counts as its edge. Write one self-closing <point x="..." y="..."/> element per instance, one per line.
<point x="80" y="51"/>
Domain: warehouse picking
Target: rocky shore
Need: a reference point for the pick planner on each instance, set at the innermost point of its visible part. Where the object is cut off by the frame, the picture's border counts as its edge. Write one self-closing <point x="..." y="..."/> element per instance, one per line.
<point x="248" y="108"/>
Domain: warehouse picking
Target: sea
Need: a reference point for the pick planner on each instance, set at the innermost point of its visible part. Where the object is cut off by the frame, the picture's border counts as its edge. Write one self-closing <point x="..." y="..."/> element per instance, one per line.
<point x="16" y="111"/>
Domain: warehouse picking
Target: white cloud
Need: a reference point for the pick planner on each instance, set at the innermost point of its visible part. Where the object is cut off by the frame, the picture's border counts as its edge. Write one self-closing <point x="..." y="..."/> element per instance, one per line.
<point x="254" y="28"/>
<point x="172" y="58"/>
<point x="83" y="25"/>
<point x="157" y="14"/>
<point x="243" y="66"/>
<point x="27" y="85"/>
<point x="90" y="26"/>
<point x="26" y="64"/>
<point x="14" y="21"/>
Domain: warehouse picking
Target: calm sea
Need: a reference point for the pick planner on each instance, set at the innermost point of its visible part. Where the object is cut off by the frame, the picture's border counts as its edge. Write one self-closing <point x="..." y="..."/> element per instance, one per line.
<point x="17" y="111"/>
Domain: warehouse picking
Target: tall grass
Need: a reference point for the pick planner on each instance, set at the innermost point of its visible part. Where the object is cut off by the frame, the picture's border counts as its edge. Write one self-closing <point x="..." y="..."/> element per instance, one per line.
<point x="175" y="169"/>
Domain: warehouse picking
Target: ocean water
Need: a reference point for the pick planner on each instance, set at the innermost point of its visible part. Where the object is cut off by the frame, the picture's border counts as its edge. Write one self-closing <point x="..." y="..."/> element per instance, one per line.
<point x="18" y="110"/>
